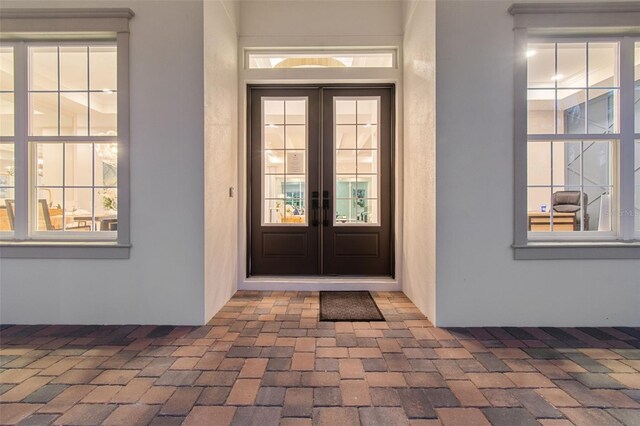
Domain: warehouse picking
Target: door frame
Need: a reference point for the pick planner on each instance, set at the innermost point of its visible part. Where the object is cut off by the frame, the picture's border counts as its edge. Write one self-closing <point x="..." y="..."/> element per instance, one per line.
<point x="312" y="76"/>
<point x="248" y="175"/>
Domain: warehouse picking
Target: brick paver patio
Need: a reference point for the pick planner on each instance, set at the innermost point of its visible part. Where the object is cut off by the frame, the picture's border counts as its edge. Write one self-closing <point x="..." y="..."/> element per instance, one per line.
<point x="265" y="359"/>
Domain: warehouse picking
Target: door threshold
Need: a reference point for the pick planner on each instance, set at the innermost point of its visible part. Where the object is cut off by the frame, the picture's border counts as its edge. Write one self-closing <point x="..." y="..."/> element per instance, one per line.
<point x="313" y="283"/>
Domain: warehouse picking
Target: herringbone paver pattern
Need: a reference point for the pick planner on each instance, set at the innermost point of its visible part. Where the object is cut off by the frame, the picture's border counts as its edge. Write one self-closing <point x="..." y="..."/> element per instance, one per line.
<point x="266" y="360"/>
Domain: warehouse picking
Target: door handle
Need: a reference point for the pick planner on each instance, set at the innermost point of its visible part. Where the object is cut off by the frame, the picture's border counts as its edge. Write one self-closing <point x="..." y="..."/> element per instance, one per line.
<point x="325" y="208"/>
<point x="315" y="205"/>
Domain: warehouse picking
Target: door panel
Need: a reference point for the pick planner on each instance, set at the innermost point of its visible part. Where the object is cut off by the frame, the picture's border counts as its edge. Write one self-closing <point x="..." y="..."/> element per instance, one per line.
<point x="321" y="181"/>
<point x="283" y="140"/>
<point x="357" y="170"/>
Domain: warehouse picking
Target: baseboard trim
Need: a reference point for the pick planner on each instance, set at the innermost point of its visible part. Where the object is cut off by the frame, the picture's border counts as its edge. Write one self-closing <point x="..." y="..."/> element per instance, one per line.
<point x="319" y="283"/>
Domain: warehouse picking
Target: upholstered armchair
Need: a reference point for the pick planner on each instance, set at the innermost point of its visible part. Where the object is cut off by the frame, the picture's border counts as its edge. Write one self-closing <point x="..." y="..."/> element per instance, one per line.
<point x="569" y="202"/>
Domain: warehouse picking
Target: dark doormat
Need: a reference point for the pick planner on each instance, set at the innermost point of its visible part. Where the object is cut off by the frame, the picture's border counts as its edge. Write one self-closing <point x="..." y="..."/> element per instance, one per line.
<point x="348" y="306"/>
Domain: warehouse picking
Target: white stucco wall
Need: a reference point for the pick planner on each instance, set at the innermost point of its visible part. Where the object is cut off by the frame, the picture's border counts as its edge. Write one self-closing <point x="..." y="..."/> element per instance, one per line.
<point x="324" y="20"/>
<point x="478" y="282"/>
<point x="419" y="247"/>
<point x="162" y="282"/>
<point x="220" y="150"/>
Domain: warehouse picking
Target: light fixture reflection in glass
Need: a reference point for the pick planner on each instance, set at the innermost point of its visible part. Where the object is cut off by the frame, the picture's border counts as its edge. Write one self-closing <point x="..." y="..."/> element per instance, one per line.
<point x="108" y="153"/>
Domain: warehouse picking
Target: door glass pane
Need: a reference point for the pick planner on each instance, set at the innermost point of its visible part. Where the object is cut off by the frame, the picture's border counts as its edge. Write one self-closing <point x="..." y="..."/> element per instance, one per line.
<point x="284" y="164"/>
<point x="296" y="137"/>
<point x="345" y="161"/>
<point x="357" y="146"/>
<point x="367" y="161"/>
<point x="368" y="136"/>
<point x="274" y="161"/>
<point x="367" y="112"/>
<point x="274" y="137"/>
<point x="345" y="111"/>
<point x="273" y="112"/>
<point x="295" y="161"/>
<point x="296" y="112"/>
<point x="345" y="136"/>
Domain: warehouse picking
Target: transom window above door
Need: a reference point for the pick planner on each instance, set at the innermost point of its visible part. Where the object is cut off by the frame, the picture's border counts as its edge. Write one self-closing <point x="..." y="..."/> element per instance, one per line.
<point x="311" y="58"/>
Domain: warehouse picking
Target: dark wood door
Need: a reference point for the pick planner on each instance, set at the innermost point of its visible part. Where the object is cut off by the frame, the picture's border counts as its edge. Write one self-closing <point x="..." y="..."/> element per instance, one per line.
<point x="320" y="181"/>
<point x="357" y="181"/>
<point x="284" y="151"/>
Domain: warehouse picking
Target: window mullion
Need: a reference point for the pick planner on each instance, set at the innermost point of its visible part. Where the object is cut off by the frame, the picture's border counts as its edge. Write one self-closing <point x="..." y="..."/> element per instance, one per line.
<point x="21" y="142"/>
<point x="626" y="155"/>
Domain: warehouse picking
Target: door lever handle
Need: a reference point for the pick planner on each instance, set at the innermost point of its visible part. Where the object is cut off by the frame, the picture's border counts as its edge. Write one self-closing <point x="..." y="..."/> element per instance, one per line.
<point x="325" y="208"/>
<point x="315" y="205"/>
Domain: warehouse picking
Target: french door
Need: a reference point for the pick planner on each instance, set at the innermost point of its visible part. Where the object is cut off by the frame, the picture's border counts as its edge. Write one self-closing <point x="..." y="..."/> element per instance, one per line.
<point x="320" y="180"/>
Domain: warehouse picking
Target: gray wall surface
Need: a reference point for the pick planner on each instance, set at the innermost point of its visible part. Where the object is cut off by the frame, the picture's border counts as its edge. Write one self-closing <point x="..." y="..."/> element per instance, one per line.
<point x="478" y="282"/>
<point x="162" y="282"/>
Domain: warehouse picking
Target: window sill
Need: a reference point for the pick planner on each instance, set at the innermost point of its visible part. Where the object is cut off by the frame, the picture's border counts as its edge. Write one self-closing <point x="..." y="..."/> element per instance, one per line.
<point x="577" y="250"/>
<point x="63" y="250"/>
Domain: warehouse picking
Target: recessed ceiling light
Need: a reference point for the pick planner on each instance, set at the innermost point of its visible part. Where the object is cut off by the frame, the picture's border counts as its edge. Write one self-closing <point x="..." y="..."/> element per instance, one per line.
<point x="557" y="77"/>
<point x="531" y="53"/>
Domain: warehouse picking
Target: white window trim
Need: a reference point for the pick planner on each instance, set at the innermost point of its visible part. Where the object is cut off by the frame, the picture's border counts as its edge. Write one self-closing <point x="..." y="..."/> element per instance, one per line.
<point x="82" y="25"/>
<point x="584" y="20"/>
